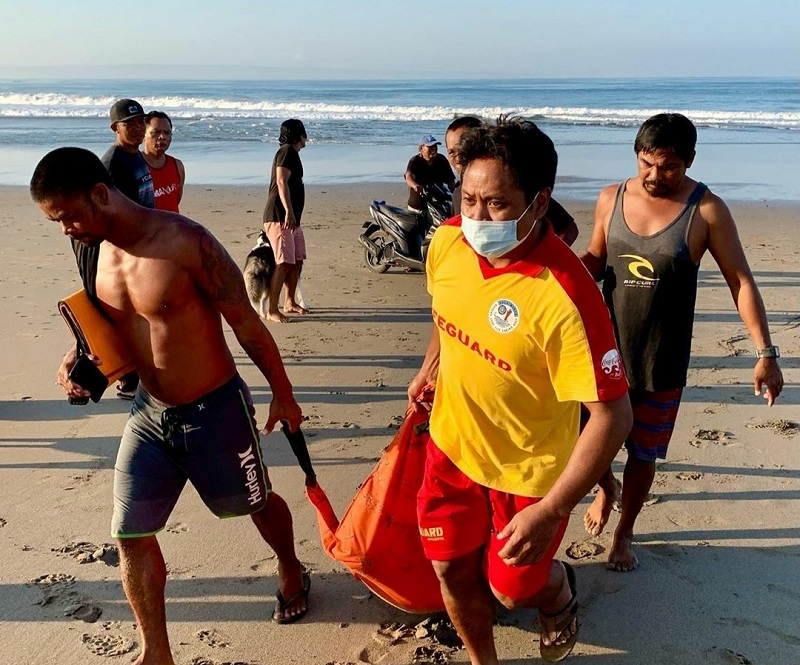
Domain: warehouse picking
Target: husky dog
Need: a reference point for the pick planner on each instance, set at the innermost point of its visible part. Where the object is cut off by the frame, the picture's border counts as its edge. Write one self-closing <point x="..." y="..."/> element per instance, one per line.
<point x="258" y="269"/>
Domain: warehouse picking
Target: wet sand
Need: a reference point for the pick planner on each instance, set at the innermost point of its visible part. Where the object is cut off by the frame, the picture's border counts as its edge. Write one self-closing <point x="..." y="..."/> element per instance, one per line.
<point x="719" y="552"/>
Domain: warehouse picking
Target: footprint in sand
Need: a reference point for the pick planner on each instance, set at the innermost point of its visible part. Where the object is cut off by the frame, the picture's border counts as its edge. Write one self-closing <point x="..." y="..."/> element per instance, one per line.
<point x="2" y="522"/>
<point x="730" y="656"/>
<point x="440" y="632"/>
<point x="782" y="426"/>
<point x="267" y="563"/>
<point x="686" y="475"/>
<point x="385" y="639"/>
<point x="774" y="588"/>
<point x="86" y="477"/>
<point x="52" y="580"/>
<point x="83" y="612"/>
<point x="584" y="550"/>
<point x="177" y="527"/>
<point x="212" y="638"/>
<point x="84" y="552"/>
<point x="715" y="436"/>
<point x="378" y="382"/>
<point x="57" y="589"/>
<point x="107" y="645"/>
<point x="431" y="655"/>
<point x="442" y="641"/>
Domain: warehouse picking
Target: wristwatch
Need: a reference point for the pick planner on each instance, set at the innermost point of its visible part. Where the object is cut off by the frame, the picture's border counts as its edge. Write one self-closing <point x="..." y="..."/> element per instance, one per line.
<point x="768" y="352"/>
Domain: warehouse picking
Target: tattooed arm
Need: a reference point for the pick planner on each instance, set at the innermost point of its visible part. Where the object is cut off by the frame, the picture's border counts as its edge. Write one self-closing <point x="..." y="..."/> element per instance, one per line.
<point x="221" y="280"/>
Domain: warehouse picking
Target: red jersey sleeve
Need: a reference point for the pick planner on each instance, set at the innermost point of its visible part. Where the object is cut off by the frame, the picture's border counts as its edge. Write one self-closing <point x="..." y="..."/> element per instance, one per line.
<point x="584" y="342"/>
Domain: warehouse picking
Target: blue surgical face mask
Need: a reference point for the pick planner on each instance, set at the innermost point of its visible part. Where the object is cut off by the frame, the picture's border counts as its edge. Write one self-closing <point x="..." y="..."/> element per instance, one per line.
<point x="493" y="239"/>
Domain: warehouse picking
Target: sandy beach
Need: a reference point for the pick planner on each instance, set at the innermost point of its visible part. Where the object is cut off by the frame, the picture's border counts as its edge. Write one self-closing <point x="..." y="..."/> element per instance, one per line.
<point x="719" y="580"/>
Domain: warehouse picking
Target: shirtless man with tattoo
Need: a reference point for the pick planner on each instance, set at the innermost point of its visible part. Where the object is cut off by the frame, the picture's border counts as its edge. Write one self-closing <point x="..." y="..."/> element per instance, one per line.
<point x="167" y="283"/>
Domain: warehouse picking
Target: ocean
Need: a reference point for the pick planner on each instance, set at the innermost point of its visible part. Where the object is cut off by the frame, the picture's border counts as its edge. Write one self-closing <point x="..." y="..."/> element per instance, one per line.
<point x="365" y="131"/>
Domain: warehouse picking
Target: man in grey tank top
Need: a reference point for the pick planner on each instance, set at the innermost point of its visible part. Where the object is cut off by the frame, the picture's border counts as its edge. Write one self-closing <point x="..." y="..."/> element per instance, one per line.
<point x="649" y="236"/>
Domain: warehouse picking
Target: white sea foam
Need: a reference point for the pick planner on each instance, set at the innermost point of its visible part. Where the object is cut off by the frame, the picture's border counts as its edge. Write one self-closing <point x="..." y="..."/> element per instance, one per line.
<point x="55" y="105"/>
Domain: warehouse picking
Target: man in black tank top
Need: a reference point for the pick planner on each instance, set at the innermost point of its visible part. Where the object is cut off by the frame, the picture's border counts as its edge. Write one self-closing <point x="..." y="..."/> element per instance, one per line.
<point x="649" y="236"/>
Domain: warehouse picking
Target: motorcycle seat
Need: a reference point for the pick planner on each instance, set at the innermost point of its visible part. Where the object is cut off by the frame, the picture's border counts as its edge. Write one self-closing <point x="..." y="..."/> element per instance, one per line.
<point x="403" y="216"/>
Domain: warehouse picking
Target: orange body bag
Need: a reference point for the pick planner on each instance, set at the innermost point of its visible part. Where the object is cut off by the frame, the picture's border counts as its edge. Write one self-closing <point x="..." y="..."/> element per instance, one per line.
<point x="378" y="537"/>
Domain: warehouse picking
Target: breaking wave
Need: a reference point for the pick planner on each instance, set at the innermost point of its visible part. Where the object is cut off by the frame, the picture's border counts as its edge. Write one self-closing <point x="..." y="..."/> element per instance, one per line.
<point x="55" y="105"/>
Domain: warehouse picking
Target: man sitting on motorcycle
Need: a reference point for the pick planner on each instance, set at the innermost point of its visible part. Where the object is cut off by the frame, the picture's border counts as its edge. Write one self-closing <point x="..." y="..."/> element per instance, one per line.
<point x="427" y="168"/>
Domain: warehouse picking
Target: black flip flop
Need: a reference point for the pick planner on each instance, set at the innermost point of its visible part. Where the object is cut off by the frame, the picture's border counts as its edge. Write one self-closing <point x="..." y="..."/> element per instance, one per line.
<point x="282" y="605"/>
<point x="553" y="653"/>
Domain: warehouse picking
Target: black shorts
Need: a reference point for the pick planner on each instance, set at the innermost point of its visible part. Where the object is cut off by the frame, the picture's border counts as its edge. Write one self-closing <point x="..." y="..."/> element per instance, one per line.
<point x="213" y="442"/>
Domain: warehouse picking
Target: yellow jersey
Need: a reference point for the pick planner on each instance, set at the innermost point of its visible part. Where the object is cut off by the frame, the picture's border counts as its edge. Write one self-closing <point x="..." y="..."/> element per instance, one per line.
<point x="521" y="347"/>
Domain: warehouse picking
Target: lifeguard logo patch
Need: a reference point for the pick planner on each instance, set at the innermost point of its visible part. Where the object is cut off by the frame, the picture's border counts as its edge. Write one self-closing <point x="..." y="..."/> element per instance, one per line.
<point x="503" y="316"/>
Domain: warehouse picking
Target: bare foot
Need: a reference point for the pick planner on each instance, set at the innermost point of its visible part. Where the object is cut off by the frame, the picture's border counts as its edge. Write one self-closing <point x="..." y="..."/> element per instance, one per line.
<point x="294" y="309"/>
<point x="293" y="598"/>
<point x="277" y="317"/>
<point x="622" y="558"/>
<point x="596" y="516"/>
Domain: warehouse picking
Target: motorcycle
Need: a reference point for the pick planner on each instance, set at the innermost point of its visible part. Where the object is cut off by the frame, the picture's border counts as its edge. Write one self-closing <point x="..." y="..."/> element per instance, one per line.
<point x="400" y="237"/>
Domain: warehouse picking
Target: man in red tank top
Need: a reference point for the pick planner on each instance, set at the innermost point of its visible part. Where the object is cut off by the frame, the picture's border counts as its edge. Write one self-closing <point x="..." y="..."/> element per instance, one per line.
<point x="167" y="172"/>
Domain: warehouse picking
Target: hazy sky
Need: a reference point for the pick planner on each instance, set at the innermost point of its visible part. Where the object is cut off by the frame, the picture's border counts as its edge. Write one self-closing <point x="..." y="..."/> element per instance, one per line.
<point x="405" y="38"/>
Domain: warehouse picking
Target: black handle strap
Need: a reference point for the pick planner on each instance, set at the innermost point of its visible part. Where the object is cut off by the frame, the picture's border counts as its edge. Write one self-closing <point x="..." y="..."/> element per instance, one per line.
<point x="297" y="441"/>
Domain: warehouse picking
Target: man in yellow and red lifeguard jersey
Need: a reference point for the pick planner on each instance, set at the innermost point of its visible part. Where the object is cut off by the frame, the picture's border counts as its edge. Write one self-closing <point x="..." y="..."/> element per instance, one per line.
<point x="521" y="336"/>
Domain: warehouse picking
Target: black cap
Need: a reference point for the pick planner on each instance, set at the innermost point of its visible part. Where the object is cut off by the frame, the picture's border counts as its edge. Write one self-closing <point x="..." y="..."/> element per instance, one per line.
<point x="125" y="109"/>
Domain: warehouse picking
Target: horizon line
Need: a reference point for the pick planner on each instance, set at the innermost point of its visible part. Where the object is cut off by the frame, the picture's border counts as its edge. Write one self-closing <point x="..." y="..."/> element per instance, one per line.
<point x="342" y="76"/>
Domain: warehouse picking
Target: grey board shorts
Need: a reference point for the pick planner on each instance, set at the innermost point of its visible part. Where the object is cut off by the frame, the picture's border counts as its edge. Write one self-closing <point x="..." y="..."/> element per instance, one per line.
<point x="212" y="442"/>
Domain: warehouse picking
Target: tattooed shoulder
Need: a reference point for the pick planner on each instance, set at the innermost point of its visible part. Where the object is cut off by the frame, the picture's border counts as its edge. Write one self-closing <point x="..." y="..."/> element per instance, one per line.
<point x="221" y="276"/>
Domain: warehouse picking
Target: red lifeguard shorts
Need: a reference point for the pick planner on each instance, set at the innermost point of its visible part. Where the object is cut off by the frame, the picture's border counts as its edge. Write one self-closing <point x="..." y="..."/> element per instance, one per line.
<point x="457" y="516"/>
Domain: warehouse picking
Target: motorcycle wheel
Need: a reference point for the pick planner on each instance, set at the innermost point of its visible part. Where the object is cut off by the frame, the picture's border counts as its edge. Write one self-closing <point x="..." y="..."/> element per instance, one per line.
<point x="374" y="263"/>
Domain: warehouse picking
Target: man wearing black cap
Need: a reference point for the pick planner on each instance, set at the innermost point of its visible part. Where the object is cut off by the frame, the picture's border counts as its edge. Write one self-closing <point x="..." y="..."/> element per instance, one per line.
<point x="131" y="176"/>
<point x="124" y="162"/>
<point x="427" y="168"/>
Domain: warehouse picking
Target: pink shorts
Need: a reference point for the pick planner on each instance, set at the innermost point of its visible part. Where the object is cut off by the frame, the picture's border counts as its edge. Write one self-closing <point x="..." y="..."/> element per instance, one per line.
<point x="457" y="516"/>
<point x="289" y="245"/>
